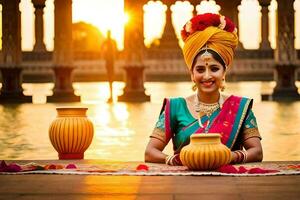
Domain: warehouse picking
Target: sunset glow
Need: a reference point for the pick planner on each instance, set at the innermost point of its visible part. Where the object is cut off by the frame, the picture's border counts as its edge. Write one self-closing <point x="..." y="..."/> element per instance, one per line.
<point x="109" y="15"/>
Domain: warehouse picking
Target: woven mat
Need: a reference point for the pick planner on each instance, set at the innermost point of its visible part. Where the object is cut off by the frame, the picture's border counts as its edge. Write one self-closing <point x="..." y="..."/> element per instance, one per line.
<point x="151" y="169"/>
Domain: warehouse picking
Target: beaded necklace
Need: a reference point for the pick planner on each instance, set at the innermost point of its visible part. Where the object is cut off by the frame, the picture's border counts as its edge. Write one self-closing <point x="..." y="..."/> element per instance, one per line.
<point x="207" y="109"/>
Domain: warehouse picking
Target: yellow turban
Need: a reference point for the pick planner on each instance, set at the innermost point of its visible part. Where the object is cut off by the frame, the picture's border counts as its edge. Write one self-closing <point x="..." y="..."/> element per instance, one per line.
<point x="221" y="41"/>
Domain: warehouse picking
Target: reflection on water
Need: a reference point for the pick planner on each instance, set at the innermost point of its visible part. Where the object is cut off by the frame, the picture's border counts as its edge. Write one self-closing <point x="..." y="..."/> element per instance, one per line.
<point x="122" y="129"/>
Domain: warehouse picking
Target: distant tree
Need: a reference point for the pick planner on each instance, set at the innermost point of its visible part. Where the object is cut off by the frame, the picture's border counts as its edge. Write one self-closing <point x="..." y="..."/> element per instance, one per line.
<point x="87" y="37"/>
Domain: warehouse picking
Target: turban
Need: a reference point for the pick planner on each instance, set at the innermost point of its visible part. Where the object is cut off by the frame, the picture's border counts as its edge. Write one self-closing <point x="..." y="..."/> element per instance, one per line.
<point x="209" y="30"/>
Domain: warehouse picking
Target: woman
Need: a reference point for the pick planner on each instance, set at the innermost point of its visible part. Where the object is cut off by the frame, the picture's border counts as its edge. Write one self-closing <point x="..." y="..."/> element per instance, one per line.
<point x="210" y="40"/>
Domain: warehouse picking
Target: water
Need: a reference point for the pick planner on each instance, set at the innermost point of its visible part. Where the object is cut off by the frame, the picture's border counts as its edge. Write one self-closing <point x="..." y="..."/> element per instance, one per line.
<point x="122" y="129"/>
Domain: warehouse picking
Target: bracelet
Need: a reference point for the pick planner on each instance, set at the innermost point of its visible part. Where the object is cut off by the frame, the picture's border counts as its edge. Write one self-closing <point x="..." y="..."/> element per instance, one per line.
<point x="245" y="156"/>
<point x="167" y="159"/>
<point x="241" y="156"/>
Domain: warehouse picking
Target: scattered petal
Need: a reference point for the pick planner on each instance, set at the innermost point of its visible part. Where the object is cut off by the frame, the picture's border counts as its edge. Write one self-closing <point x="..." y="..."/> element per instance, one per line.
<point x="71" y="166"/>
<point x="51" y="166"/>
<point x="13" y="168"/>
<point x="228" y="169"/>
<point x="142" y="167"/>
<point x="258" y="170"/>
<point x="242" y="170"/>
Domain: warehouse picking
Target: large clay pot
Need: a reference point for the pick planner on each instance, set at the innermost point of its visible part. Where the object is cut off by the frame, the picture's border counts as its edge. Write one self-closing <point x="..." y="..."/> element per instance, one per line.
<point x="205" y="152"/>
<point x="71" y="133"/>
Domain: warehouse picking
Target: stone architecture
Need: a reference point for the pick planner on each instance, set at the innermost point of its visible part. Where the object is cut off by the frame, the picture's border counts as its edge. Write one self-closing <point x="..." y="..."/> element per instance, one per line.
<point x="63" y="53"/>
<point x="229" y="9"/>
<point x="10" y="67"/>
<point x="285" y="55"/>
<point x="39" y="45"/>
<point x="134" y="90"/>
<point x="265" y="43"/>
<point x="162" y="63"/>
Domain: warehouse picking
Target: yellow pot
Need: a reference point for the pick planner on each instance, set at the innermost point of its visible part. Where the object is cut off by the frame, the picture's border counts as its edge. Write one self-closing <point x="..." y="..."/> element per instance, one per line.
<point x="205" y="152"/>
<point x="71" y="133"/>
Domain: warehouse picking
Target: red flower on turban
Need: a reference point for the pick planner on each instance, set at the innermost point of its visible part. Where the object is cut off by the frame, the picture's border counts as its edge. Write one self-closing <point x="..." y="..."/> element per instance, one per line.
<point x="201" y="22"/>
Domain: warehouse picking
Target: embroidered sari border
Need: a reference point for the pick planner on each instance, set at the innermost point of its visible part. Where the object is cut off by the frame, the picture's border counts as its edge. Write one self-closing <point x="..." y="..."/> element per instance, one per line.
<point x="244" y="106"/>
<point x="168" y="129"/>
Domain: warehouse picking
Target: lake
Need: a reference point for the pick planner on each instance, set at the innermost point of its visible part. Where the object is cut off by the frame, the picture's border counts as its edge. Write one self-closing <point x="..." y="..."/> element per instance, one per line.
<point x="122" y="129"/>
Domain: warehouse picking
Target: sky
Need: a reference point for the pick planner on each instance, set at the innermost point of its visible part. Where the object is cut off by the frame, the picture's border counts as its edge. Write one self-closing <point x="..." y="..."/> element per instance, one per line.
<point x="109" y="14"/>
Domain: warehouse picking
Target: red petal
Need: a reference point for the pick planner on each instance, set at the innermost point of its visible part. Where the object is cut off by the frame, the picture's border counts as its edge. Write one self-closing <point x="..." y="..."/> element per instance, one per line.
<point x="142" y="167"/>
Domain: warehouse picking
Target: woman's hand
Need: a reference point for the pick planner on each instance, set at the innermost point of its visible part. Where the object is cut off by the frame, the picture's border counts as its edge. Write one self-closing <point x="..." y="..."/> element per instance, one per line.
<point x="253" y="152"/>
<point x="173" y="160"/>
<point x="254" y="149"/>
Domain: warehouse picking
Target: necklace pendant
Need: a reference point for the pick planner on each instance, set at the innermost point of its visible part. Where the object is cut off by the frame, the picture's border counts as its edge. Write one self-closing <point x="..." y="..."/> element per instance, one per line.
<point x="207" y="126"/>
<point x="200" y="123"/>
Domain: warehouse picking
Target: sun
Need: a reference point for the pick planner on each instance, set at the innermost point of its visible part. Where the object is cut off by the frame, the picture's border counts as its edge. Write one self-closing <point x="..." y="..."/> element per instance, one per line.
<point x="105" y="15"/>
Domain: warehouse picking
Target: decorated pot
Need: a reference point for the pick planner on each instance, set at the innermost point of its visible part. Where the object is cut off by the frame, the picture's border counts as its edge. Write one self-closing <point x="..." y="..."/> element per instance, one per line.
<point x="205" y="152"/>
<point x="71" y="133"/>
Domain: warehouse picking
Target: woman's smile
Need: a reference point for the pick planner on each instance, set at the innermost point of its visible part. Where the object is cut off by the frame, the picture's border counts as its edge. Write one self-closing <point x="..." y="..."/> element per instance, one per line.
<point x="208" y="83"/>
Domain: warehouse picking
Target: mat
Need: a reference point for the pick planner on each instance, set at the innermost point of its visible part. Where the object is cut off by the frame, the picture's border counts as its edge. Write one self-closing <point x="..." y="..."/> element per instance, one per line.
<point x="148" y="169"/>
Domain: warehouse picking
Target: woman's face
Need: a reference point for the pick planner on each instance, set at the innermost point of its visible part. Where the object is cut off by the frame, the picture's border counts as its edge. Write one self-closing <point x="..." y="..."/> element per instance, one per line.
<point x="207" y="73"/>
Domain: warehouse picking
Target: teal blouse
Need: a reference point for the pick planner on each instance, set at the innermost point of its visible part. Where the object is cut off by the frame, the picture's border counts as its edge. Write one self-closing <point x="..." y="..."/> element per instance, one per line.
<point x="183" y="119"/>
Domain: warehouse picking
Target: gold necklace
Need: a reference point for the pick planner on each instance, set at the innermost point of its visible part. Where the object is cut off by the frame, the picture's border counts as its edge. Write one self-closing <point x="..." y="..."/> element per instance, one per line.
<point x="207" y="109"/>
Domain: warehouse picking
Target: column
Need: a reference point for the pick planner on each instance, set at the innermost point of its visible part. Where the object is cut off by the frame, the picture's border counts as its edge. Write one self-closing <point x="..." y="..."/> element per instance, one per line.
<point x="229" y="9"/>
<point x="39" y="45"/>
<point x="63" y="53"/>
<point x="134" y="49"/>
<point x="11" y="69"/>
<point x="285" y="55"/>
<point x="265" y="44"/>
<point x="194" y="3"/>
<point x="169" y="40"/>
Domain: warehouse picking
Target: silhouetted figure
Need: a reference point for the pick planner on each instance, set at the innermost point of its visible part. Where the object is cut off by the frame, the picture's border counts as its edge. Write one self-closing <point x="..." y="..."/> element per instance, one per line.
<point x="110" y="50"/>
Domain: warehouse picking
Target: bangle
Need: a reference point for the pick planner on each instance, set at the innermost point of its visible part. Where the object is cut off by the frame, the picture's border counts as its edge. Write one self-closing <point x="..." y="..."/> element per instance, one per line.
<point x="167" y="159"/>
<point x="245" y="156"/>
<point x="241" y="156"/>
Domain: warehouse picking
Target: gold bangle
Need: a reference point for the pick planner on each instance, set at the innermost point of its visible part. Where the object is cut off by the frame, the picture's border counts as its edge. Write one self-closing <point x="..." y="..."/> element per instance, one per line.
<point x="245" y="156"/>
<point x="167" y="159"/>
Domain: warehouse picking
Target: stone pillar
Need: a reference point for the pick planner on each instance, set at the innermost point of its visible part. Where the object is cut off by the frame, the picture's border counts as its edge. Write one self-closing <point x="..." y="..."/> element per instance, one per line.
<point x="230" y="9"/>
<point x="63" y="53"/>
<point x="194" y="3"/>
<point x="134" y="49"/>
<point x="285" y="55"/>
<point x="10" y="67"/>
<point x="265" y="43"/>
<point x="39" y="45"/>
<point x="169" y="40"/>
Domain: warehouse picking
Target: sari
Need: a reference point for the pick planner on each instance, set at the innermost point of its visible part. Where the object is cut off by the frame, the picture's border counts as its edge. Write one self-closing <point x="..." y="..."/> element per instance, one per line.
<point x="234" y="117"/>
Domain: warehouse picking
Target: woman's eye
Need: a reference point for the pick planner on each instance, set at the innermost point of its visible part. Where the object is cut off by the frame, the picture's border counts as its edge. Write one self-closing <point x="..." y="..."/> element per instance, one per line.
<point x="214" y="69"/>
<point x="200" y="69"/>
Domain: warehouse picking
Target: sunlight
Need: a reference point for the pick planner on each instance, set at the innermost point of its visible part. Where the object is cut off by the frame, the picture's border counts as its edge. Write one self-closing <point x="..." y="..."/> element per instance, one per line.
<point x="103" y="14"/>
<point x="109" y="15"/>
<point x="250" y="36"/>
<point x="154" y="21"/>
<point x="181" y="13"/>
<point x="208" y="6"/>
<point x="297" y="23"/>
<point x="272" y="23"/>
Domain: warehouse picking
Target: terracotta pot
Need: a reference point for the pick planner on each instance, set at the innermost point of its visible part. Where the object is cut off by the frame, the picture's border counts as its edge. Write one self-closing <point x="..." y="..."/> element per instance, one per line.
<point x="205" y="152"/>
<point x="71" y="133"/>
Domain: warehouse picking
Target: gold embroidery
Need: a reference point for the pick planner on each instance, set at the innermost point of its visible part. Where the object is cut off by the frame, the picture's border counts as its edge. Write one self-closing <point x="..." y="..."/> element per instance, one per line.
<point x="249" y="133"/>
<point x="241" y="121"/>
<point x="158" y="134"/>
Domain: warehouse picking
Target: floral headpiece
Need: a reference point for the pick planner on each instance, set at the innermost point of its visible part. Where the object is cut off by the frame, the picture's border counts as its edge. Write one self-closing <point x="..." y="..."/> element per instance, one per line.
<point x="201" y="22"/>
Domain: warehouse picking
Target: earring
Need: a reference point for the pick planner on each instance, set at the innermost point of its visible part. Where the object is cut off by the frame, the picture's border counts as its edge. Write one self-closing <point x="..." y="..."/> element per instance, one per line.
<point x="194" y="87"/>
<point x="222" y="86"/>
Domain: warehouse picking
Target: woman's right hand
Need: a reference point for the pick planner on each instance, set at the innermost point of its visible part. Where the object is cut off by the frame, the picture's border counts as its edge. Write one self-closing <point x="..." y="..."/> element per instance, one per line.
<point x="154" y="152"/>
<point x="173" y="160"/>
